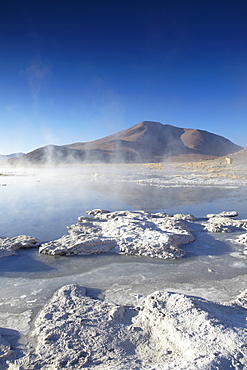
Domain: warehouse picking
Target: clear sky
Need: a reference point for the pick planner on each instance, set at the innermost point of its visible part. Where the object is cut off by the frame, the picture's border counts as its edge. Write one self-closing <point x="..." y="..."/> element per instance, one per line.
<point x="79" y="70"/>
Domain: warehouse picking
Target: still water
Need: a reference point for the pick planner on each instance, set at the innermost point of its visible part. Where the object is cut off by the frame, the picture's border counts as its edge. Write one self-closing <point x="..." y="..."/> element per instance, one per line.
<point x="42" y="206"/>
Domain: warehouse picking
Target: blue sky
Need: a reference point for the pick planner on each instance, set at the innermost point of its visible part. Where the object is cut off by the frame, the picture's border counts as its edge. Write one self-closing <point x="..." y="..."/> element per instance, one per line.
<point x="75" y="70"/>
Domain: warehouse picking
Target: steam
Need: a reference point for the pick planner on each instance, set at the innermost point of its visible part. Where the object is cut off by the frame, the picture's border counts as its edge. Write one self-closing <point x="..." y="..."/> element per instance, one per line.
<point x="146" y="142"/>
<point x="37" y="75"/>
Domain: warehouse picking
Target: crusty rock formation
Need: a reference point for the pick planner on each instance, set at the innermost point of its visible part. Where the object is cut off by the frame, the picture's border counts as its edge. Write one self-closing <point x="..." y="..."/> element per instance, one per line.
<point x="4" y="347"/>
<point x="133" y="233"/>
<point x="181" y="216"/>
<point x="74" y="331"/>
<point x="79" y="244"/>
<point x="9" y="246"/>
<point x="242" y="239"/>
<point x="222" y="214"/>
<point x="169" y="331"/>
<point x="223" y="222"/>
<point x="196" y="333"/>
<point x="137" y="233"/>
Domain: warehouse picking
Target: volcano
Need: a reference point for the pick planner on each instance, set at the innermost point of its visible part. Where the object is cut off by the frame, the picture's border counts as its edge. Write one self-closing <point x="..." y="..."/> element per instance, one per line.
<point x="144" y="142"/>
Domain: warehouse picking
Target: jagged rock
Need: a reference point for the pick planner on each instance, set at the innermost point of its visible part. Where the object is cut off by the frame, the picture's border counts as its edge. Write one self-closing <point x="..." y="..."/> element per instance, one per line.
<point x="223" y="223"/>
<point x="222" y="214"/>
<point x="77" y="245"/>
<point x="9" y="246"/>
<point x="181" y="216"/>
<point x="241" y="300"/>
<point x="97" y="212"/>
<point x="168" y="331"/>
<point x="4" y="347"/>
<point x="73" y="331"/>
<point x="133" y="233"/>
<point x="219" y="225"/>
<point x="242" y="239"/>
<point x="196" y="333"/>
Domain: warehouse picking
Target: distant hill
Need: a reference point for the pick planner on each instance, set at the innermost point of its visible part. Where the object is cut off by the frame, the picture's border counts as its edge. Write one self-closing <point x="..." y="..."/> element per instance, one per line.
<point x="144" y="142"/>
<point x="13" y="155"/>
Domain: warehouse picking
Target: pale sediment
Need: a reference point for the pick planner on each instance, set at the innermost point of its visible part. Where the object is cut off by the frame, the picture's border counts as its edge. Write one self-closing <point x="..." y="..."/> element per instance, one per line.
<point x="242" y="239"/>
<point x="5" y="347"/>
<point x="139" y="233"/>
<point x="9" y="246"/>
<point x="223" y="223"/>
<point x="164" y="331"/>
<point x="132" y="233"/>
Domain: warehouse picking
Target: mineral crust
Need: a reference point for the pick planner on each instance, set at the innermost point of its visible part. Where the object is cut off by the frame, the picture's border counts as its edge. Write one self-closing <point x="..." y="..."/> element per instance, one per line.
<point x="132" y="233"/>
<point x="166" y="331"/>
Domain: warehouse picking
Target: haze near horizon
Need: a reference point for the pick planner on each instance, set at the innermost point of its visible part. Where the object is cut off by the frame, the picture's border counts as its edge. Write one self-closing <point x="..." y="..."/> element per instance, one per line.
<point x="79" y="71"/>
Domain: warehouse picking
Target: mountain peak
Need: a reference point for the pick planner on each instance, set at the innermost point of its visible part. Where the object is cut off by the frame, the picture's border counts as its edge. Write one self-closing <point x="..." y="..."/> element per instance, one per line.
<point x="147" y="141"/>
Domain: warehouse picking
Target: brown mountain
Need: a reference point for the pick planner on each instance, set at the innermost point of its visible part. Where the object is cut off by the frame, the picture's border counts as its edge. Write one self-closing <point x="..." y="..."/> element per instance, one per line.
<point x="145" y="142"/>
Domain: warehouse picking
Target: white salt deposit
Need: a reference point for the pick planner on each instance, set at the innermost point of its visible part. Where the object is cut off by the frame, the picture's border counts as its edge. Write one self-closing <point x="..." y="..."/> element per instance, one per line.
<point x="170" y="330"/>
<point x="9" y="246"/>
<point x="132" y="233"/>
<point x="223" y="222"/>
<point x="5" y="347"/>
<point x="242" y="239"/>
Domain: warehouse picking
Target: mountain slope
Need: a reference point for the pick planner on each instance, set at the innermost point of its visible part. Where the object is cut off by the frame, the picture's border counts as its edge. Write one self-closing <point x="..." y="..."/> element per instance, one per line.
<point x="144" y="142"/>
<point x="152" y="139"/>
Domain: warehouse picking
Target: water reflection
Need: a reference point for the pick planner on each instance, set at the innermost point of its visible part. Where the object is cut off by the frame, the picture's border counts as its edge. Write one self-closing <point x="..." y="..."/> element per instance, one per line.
<point x="23" y="263"/>
<point x="44" y="207"/>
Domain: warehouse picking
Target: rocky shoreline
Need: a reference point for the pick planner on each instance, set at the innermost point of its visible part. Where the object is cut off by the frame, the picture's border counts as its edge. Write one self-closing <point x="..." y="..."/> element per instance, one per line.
<point x="164" y="330"/>
<point x="139" y="233"/>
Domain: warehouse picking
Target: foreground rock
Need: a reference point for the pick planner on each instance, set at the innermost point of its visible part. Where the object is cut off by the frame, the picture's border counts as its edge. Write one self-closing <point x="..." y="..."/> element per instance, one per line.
<point x="74" y="332"/>
<point x="167" y="331"/>
<point x="133" y="233"/>
<point x="197" y="334"/>
<point x="9" y="246"/>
